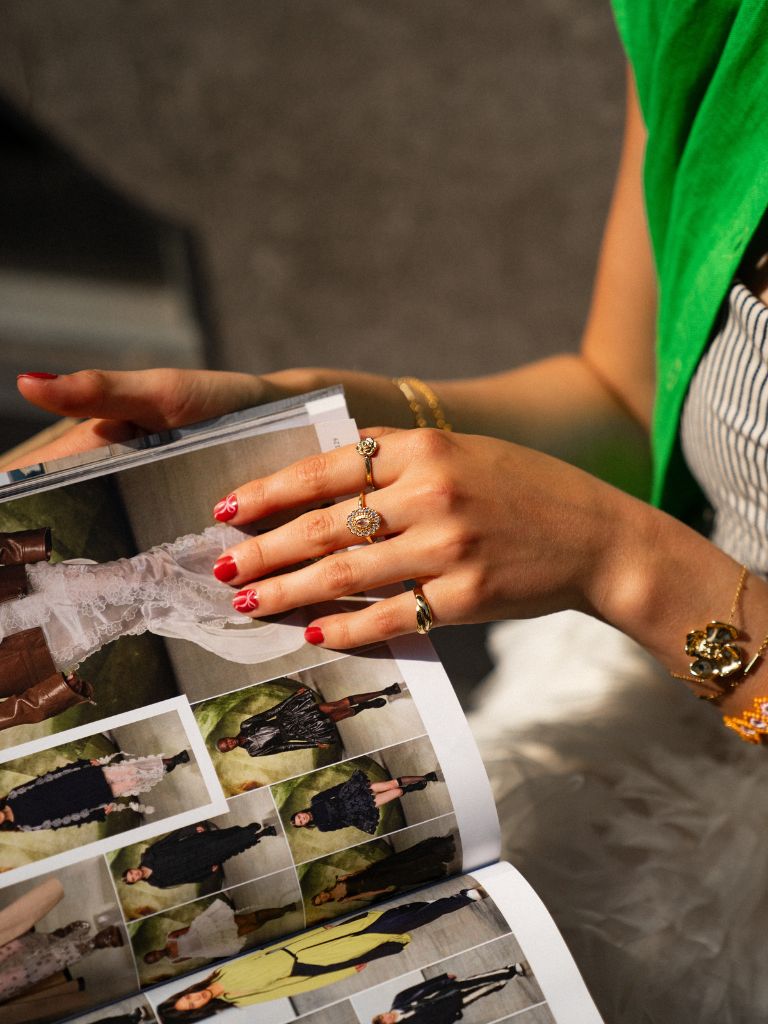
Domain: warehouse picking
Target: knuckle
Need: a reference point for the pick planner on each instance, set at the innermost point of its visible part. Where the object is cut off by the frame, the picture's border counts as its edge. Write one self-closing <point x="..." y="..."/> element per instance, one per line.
<point x="276" y="594"/>
<point x="456" y="543"/>
<point x="440" y="493"/>
<point x="252" y="562"/>
<point x="470" y="593"/>
<point x="180" y="401"/>
<point x="312" y="472"/>
<point x="385" y="620"/>
<point x="252" y="496"/>
<point x="316" y="528"/>
<point x="447" y="490"/>
<point x="94" y="390"/>
<point x="339" y="628"/>
<point x="431" y="443"/>
<point x="339" y="575"/>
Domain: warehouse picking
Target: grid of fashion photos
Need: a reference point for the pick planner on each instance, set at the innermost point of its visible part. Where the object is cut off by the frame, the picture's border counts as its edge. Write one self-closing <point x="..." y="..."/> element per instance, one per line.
<point x="202" y="813"/>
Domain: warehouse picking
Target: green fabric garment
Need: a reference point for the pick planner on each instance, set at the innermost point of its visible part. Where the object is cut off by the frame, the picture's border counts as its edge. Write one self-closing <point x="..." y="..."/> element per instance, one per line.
<point x="701" y="68"/>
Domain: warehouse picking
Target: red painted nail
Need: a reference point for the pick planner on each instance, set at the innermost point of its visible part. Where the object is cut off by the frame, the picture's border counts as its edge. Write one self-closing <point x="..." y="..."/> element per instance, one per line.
<point x="38" y="376"/>
<point x="224" y="568"/>
<point x="313" y="635"/>
<point x="246" y="601"/>
<point x="226" y="509"/>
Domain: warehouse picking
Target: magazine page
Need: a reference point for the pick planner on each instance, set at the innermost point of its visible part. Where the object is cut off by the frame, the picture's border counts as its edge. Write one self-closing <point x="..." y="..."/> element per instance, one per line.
<point x="100" y="593"/>
<point x="298" y="410"/>
<point x="170" y="845"/>
<point x="478" y="948"/>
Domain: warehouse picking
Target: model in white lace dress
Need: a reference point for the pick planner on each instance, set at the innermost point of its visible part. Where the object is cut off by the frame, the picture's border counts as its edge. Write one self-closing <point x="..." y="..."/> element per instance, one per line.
<point x="34" y="956"/>
<point x="168" y="590"/>
<point x="218" y="932"/>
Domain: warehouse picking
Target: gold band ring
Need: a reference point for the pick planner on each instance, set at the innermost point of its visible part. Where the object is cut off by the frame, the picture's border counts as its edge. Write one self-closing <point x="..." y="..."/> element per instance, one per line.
<point x="367" y="447"/>
<point x="363" y="521"/>
<point x="425" y="620"/>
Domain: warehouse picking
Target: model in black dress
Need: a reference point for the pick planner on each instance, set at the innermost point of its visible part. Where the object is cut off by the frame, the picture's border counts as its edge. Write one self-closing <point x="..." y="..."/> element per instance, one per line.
<point x="300" y="722"/>
<point x="83" y="791"/>
<point x="426" y="861"/>
<point x="356" y="802"/>
<point x="193" y="853"/>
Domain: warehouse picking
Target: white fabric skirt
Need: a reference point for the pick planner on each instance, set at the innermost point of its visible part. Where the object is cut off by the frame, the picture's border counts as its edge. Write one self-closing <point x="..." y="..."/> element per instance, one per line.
<point x="638" y="818"/>
<point x="212" y="934"/>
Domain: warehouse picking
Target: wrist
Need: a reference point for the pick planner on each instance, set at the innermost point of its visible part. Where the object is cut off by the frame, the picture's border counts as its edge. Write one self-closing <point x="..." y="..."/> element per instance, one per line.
<point x="373" y="399"/>
<point x="659" y="579"/>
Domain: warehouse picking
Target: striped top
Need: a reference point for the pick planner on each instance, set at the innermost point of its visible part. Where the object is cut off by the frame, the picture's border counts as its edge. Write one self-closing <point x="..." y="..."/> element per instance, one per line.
<point x="724" y="428"/>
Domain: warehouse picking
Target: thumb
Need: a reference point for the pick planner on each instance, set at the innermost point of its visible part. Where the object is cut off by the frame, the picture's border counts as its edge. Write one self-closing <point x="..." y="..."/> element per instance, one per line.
<point x="149" y="399"/>
<point x="67" y="437"/>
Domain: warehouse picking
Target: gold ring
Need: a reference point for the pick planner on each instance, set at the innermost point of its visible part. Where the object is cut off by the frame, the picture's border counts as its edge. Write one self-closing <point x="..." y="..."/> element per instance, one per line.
<point x="363" y="521"/>
<point x="425" y="620"/>
<point x="367" y="447"/>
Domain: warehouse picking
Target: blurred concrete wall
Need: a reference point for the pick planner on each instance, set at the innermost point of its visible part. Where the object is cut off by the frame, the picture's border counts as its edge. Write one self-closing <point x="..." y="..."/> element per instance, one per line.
<point x="403" y="185"/>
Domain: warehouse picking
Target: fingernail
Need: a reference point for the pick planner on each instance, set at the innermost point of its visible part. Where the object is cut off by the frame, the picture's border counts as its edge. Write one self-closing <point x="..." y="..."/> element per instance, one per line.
<point x="246" y="601"/>
<point x="226" y="509"/>
<point x="38" y="376"/>
<point x="313" y="635"/>
<point x="224" y="568"/>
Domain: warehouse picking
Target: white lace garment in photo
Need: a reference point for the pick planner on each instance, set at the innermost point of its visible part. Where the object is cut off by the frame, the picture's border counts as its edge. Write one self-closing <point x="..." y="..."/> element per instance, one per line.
<point x="169" y="590"/>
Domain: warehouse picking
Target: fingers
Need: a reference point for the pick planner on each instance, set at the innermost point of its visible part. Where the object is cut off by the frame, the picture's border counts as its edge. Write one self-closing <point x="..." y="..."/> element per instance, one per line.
<point x="380" y="620"/>
<point x="336" y="576"/>
<point x="150" y="399"/>
<point x="312" y="535"/>
<point x="58" y="442"/>
<point x="316" y="478"/>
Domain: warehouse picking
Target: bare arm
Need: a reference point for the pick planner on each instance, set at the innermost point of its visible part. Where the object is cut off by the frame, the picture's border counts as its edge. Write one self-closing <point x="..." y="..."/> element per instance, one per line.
<point x="592" y="409"/>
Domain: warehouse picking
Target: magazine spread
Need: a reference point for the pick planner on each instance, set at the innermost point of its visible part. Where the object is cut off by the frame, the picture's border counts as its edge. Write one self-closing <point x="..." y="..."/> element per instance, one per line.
<point x="201" y="813"/>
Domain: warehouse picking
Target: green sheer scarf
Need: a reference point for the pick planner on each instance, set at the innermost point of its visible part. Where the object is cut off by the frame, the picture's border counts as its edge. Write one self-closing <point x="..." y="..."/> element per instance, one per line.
<point x="701" y="68"/>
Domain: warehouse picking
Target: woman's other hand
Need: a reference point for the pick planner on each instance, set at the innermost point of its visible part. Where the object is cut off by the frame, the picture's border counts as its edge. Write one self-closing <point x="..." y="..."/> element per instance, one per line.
<point x="116" y="406"/>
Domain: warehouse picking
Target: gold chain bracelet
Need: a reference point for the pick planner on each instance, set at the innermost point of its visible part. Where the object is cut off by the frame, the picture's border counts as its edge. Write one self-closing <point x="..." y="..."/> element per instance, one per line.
<point x="718" y="666"/>
<point x="415" y="389"/>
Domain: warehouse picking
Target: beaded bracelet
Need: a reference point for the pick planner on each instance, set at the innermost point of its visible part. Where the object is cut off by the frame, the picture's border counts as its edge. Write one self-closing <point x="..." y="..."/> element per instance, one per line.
<point x="752" y="724"/>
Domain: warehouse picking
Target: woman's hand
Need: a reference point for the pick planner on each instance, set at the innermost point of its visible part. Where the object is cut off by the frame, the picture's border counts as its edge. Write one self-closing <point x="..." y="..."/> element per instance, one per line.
<point x="488" y="529"/>
<point x="118" y="406"/>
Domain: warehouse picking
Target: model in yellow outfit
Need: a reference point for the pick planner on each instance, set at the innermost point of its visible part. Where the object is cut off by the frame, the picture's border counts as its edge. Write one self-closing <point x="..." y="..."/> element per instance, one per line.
<point x="309" y="961"/>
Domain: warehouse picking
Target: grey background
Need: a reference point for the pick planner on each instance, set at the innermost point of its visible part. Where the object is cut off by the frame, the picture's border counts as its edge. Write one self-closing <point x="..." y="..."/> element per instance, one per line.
<point x="403" y="185"/>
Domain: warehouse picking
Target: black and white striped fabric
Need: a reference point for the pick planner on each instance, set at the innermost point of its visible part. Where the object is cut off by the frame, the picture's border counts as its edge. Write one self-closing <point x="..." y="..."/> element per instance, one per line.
<point x="724" y="428"/>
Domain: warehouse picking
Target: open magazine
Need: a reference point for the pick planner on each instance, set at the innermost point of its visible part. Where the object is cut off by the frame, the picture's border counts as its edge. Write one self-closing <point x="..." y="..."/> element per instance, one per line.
<point x="205" y="815"/>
